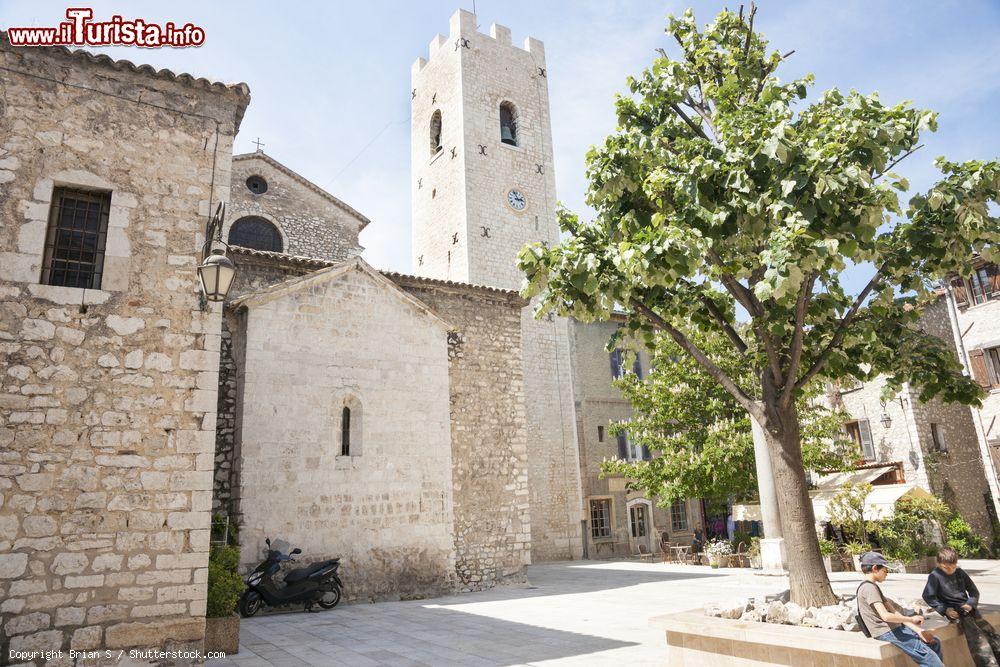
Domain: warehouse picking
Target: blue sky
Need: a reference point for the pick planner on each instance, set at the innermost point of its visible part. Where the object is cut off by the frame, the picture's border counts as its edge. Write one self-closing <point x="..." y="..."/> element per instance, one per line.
<point x="329" y="78"/>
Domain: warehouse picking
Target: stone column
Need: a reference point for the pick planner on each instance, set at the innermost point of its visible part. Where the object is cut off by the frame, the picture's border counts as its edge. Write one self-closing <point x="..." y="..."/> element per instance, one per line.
<point x="772" y="546"/>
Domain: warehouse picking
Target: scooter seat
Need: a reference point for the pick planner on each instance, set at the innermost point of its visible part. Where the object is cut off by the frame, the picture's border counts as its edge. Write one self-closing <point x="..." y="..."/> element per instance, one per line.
<point x="301" y="573"/>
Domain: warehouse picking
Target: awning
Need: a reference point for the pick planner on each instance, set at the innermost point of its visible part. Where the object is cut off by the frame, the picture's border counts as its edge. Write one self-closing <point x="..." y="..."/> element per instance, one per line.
<point x="878" y="505"/>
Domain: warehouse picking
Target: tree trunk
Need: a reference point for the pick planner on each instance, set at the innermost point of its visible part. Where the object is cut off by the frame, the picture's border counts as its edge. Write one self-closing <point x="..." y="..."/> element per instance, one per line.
<point x="808" y="581"/>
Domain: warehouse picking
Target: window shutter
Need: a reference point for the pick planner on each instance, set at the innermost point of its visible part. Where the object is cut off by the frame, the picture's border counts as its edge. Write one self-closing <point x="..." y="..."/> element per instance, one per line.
<point x="622" y="446"/>
<point x="646" y="456"/>
<point x="616" y="363"/>
<point x="977" y="361"/>
<point x="867" y="446"/>
<point x="961" y="295"/>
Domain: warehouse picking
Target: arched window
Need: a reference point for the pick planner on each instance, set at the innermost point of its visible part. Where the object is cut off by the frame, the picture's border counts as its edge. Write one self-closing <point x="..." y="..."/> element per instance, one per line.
<point x="508" y="124"/>
<point x="256" y="233"/>
<point x="435" y="132"/>
<point x="345" y="432"/>
<point x="350" y="434"/>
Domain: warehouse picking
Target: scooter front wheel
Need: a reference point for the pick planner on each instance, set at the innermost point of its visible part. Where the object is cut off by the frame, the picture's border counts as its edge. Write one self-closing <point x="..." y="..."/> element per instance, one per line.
<point x="330" y="599"/>
<point x="250" y="603"/>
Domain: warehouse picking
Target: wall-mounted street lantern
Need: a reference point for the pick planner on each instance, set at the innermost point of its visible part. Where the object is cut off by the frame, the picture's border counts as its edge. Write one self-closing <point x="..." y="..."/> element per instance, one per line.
<point x="216" y="271"/>
<point x="886" y="420"/>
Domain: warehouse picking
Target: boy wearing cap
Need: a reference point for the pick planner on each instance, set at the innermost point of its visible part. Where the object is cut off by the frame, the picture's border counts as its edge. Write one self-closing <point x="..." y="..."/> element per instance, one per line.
<point x="951" y="593"/>
<point x="885" y="620"/>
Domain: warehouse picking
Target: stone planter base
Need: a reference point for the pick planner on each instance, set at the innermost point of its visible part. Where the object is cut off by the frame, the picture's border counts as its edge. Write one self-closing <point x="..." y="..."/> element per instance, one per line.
<point x="922" y="565"/>
<point x="699" y="640"/>
<point x="223" y="634"/>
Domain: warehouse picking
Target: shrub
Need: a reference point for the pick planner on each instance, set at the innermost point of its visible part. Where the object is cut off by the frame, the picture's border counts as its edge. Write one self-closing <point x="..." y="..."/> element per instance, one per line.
<point x="962" y="539"/>
<point x="847" y="509"/>
<point x="224" y="583"/>
<point x="857" y="548"/>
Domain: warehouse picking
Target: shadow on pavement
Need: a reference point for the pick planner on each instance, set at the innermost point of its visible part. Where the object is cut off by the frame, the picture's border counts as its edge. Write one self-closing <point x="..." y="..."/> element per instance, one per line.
<point x="370" y="635"/>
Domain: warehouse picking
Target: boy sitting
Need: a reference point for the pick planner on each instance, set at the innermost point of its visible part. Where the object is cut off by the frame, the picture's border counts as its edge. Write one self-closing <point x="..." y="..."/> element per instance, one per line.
<point x="951" y="593"/>
<point x="885" y="620"/>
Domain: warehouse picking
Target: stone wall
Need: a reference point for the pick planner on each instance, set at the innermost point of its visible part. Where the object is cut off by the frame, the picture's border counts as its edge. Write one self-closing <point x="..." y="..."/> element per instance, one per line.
<point x="347" y="336"/>
<point x="108" y="395"/>
<point x="312" y="222"/>
<point x="488" y="436"/>
<point x="254" y="271"/>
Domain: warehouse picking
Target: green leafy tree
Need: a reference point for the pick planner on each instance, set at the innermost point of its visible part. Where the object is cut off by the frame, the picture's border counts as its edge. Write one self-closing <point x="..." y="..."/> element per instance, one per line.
<point x="701" y="433"/>
<point x="847" y="510"/>
<point x="721" y="189"/>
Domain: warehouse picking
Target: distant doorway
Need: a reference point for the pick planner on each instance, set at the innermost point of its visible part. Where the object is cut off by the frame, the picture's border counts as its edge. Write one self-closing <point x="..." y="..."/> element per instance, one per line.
<point x="640" y="527"/>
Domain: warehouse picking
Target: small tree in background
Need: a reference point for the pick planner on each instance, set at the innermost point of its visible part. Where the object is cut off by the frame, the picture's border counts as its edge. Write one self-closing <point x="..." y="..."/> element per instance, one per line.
<point x="847" y="510"/>
<point x="716" y="191"/>
<point x="701" y="433"/>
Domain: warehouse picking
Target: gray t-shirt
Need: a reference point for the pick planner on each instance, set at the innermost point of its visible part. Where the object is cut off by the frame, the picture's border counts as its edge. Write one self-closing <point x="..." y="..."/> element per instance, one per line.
<point x="868" y="594"/>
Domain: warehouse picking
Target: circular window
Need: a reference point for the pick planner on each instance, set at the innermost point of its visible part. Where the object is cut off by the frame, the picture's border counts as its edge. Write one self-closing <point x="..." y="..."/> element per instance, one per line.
<point x="257" y="185"/>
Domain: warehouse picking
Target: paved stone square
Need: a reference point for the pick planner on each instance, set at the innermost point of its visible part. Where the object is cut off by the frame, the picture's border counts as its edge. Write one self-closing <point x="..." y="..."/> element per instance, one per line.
<point x="572" y="613"/>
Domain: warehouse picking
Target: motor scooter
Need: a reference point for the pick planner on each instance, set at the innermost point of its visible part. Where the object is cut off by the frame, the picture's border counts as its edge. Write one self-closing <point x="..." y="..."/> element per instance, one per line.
<point x="317" y="584"/>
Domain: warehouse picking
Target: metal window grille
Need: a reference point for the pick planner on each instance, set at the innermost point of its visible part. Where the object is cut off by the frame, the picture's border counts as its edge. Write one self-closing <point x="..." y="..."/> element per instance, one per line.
<point x="256" y="233"/>
<point x="600" y="518"/>
<point x="678" y="516"/>
<point x="75" y="240"/>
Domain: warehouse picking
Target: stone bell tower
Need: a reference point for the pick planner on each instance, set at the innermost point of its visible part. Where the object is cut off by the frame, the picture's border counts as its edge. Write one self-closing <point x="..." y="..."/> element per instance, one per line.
<point x="482" y="187"/>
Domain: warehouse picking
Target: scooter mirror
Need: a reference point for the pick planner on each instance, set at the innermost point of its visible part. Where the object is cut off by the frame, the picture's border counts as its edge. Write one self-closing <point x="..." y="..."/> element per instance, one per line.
<point x="267" y="541"/>
<point x="296" y="551"/>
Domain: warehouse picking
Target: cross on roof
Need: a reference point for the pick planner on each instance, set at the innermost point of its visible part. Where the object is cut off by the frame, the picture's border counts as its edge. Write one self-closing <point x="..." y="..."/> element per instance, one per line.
<point x="258" y="142"/>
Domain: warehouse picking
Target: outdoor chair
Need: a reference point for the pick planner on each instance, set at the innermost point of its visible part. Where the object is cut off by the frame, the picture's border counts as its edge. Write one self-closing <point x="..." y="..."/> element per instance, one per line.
<point x="644" y="554"/>
<point x="665" y="551"/>
<point x="741" y="558"/>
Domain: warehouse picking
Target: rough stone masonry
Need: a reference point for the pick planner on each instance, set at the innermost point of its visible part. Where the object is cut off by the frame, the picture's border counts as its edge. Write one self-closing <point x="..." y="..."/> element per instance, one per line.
<point x="107" y="396"/>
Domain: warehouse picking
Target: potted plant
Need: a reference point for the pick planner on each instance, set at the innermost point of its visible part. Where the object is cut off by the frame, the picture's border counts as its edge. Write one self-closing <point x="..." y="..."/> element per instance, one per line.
<point x="718" y="552"/>
<point x="754" y="553"/>
<point x="854" y="550"/>
<point x="827" y="549"/>
<point x="222" y="623"/>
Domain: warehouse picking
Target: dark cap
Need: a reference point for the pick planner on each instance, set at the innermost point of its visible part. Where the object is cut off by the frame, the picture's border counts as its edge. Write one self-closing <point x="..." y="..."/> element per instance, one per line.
<point x="874" y="558"/>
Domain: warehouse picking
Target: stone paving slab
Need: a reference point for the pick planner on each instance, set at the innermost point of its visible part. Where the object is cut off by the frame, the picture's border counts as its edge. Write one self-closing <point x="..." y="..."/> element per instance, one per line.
<point x="593" y="613"/>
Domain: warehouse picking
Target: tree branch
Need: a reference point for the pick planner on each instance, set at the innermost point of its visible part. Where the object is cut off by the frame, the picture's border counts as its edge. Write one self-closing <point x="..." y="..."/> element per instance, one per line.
<point x="892" y="164"/>
<point x="680" y="112"/>
<point x="767" y="72"/>
<point x="841" y="331"/>
<point x="746" y="402"/>
<point x="746" y="46"/>
<point x="720" y="317"/>
<point x="795" y="354"/>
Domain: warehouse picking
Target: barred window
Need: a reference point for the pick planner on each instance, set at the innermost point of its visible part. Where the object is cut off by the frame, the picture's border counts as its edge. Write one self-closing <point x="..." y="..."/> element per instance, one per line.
<point x="75" y="240"/>
<point x="600" y="518"/>
<point x="678" y="516"/>
<point x="257" y="233"/>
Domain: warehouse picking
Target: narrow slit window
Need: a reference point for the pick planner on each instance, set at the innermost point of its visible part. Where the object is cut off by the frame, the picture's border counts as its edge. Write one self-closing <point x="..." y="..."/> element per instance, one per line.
<point x="345" y="432"/>
<point x="76" y="237"/>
